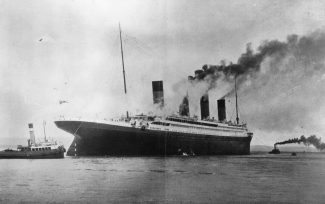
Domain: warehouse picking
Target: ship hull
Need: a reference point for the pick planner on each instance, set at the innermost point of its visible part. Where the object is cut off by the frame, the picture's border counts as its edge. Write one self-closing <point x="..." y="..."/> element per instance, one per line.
<point x="99" y="139"/>
<point x="51" y="154"/>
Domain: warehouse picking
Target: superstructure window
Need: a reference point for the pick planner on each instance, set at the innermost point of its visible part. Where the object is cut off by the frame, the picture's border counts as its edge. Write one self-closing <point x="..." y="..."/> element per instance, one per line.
<point x="160" y="123"/>
<point x="191" y="122"/>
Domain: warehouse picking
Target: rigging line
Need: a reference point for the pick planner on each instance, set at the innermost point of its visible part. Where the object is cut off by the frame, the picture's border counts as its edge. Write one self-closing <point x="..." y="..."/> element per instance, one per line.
<point x="150" y="51"/>
<point x="141" y="43"/>
<point x="155" y="55"/>
<point x="138" y="41"/>
<point x="144" y="44"/>
<point x="77" y="128"/>
<point x="127" y="38"/>
<point x="261" y="142"/>
<point x="134" y="43"/>
<point x="139" y="49"/>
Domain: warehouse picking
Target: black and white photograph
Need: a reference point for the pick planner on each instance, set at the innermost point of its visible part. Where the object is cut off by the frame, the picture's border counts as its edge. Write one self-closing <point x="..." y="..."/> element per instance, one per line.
<point x="162" y="101"/>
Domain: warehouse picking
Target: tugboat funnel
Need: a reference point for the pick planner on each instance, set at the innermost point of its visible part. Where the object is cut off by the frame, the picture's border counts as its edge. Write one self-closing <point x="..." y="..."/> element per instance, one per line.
<point x="31" y="133"/>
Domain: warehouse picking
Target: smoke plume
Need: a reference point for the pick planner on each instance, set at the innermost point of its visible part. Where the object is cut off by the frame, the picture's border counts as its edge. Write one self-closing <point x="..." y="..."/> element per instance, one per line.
<point x="312" y="140"/>
<point x="280" y="85"/>
<point x="309" y="50"/>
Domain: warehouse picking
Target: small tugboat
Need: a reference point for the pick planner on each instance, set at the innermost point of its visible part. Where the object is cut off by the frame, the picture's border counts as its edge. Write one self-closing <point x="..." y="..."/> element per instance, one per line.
<point x="275" y="150"/>
<point x="42" y="150"/>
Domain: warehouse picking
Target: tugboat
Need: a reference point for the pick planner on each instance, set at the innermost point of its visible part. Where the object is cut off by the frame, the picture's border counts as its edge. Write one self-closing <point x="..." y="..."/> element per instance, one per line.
<point x="42" y="150"/>
<point x="275" y="150"/>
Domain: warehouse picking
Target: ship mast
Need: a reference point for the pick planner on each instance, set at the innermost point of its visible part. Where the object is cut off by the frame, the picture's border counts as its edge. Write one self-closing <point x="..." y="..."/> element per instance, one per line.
<point x="44" y="123"/>
<point x="237" y="119"/>
<point x="127" y="113"/>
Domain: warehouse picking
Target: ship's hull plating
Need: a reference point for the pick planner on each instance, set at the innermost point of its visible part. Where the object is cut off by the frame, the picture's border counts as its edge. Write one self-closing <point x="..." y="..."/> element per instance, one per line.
<point x="50" y="154"/>
<point x="112" y="140"/>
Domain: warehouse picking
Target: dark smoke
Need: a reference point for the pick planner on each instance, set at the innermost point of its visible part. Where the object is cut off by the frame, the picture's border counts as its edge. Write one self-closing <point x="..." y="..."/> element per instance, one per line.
<point x="248" y="64"/>
<point x="281" y="85"/>
<point x="312" y="140"/>
<point x="307" y="49"/>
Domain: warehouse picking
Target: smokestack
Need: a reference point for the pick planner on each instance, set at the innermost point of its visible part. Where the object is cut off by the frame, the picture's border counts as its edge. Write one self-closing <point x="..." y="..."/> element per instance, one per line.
<point x="158" y="93"/>
<point x="204" y="102"/>
<point x="31" y="133"/>
<point x="184" y="107"/>
<point x="222" y="109"/>
<point x="197" y="73"/>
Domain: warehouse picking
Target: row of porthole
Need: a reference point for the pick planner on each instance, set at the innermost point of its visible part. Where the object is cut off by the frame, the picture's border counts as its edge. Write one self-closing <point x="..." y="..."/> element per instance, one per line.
<point x="41" y="149"/>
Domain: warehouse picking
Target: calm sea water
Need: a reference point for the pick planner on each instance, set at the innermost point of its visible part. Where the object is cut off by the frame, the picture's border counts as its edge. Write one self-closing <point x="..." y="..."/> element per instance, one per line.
<point x="259" y="178"/>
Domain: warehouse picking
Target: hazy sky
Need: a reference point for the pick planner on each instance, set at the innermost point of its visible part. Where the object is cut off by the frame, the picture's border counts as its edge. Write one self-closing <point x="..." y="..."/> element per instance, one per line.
<point x="69" y="50"/>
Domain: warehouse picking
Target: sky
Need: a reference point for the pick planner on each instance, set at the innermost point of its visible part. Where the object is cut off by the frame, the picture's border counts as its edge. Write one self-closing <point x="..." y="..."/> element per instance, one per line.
<point x="70" y="51"/>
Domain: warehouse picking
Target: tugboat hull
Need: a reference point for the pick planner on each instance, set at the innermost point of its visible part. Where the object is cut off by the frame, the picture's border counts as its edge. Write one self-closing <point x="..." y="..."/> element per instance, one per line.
<point x="275" y="151"/>
<point x="50" y="154"/>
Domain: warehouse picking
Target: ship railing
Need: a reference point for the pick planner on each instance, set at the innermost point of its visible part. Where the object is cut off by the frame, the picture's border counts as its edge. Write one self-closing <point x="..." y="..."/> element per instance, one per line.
<point x="121" y="123"/>
<point x="219" y="133"/>
<point x="200" y="131"/>
<point x="207" y="132"/>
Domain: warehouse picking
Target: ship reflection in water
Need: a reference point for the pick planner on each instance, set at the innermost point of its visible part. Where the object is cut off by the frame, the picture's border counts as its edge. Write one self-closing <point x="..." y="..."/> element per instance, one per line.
<point x="255" y="178"/>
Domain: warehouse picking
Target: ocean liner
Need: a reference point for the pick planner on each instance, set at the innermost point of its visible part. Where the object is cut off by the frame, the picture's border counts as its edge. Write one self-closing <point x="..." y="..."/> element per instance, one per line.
<point x="143" y="135"/>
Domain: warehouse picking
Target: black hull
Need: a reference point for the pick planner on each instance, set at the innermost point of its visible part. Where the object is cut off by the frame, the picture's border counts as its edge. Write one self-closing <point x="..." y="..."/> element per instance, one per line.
<point x="275" y="151"/>
<point x="97" y="139"/>
<point x="32" y="155"/>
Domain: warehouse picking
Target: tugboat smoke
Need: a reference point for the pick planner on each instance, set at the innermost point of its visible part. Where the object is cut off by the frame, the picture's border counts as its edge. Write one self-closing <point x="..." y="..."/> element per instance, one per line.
<point x="312" y="140"/>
